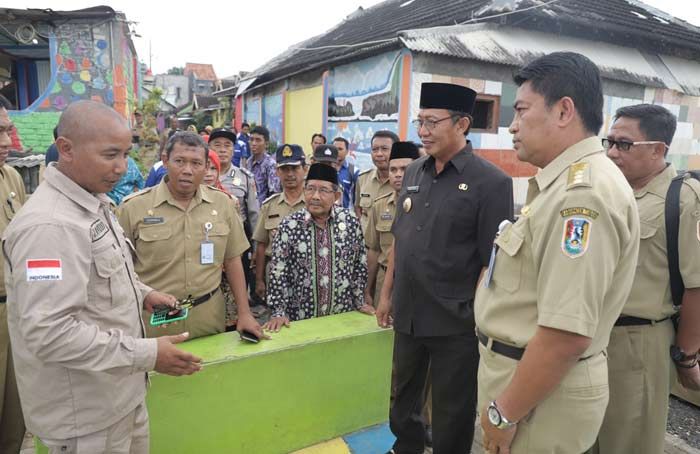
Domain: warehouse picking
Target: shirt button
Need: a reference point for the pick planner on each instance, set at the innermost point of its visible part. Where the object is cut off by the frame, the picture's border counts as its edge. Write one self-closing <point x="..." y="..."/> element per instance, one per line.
<point x="419" y="228"/>
<point x="427" y="204"/>
<point x="188" y="236"/>
<point x="434" y="181"/>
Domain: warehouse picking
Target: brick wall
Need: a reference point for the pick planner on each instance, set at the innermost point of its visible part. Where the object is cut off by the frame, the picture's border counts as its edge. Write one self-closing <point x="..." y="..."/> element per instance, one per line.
<point x="35" y="129"/>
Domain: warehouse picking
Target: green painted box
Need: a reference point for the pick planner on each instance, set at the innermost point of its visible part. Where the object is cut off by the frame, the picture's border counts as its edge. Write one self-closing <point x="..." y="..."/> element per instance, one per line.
<point x="317" y="380"/>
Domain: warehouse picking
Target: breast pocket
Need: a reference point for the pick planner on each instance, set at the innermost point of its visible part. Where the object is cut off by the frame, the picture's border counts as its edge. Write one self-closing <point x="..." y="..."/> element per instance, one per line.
<point x="154" y="244"/>
<point x="219" y="236"/>
<point x="109" y="284"/>
<point x="365" y="201"/>
<point x="11" y="207"/>
<point x="647" y="232"/>
<point x="271" y="225"/>
<point x="507" y="272"/>
<point x="385" y="236"/>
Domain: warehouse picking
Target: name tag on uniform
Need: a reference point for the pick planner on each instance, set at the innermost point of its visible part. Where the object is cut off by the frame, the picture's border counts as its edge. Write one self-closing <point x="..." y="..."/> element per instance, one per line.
<point x="149" y="220"/>
<point x="492" y="260"/>
<point x="207" y="253"/>
<point x="386" y="217"/>
<point x="412" y="189"/>
<point x="272" y="216"/>
<point x="363" y="194"/>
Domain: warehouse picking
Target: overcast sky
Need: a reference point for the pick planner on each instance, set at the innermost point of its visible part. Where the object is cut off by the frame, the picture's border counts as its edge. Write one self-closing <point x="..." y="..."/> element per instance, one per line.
<point x="242" y="35"/>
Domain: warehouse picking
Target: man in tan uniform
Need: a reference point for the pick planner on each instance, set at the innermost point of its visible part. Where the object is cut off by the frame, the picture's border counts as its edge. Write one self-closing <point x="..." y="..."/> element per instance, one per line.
<point x="378" y="236"/>
<point x="184" y="233"/>
<point x="638" y="355"/>
<point x="13" y="196"/>
<point x="374" y="183"/>
<point x="74" y="301"/>
<point x="560" y="275"/>
<point x="291" y="168"/>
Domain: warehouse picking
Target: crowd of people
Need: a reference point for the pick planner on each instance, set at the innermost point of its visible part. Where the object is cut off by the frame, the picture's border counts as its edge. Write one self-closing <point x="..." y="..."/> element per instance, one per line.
<point x="555" y="325"/>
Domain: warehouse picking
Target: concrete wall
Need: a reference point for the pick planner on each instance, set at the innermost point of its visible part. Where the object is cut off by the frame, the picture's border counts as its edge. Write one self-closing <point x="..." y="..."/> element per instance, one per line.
<point x="303" y="117"/>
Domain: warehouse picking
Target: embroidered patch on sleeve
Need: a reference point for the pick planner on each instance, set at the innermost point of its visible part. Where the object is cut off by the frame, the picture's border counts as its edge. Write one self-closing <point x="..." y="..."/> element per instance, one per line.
<point x="580" y="211"/>
<point x="576" y="237"/>
<point x="44" y="270"/>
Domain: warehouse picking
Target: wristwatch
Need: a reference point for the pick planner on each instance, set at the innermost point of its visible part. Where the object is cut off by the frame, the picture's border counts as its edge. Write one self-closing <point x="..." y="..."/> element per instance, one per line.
<point x="496" y="418"/>
<point x="681" y="358"/>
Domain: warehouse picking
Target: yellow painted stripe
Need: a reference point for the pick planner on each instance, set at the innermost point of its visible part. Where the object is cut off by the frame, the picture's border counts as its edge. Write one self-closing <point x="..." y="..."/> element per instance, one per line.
<point x="336" y="446"/>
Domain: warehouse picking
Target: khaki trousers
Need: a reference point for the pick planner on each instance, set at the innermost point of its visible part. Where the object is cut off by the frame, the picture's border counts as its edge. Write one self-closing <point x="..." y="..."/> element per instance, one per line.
<point x="11" y="419"/>
<point x="568" y="420"/>
<point x="378" y="286"/>
<point x="640" y="372"/>
<point x="128" y="436"/>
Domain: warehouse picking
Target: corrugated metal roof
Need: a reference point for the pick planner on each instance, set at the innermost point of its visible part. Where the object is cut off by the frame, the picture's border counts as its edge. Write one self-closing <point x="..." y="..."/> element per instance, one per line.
<point x="27" y="161"/>
<point x="516" y="47"/>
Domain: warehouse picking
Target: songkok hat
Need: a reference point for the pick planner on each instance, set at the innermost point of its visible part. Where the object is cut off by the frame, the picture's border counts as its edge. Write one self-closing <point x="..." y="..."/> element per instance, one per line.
<point x="322" y="172"/>
<point x="403" y="150"/>
<point x="435" y="95"/>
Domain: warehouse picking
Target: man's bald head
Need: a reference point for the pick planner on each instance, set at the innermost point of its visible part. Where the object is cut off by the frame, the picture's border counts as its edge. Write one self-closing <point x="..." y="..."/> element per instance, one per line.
<point x="82" y="118"/>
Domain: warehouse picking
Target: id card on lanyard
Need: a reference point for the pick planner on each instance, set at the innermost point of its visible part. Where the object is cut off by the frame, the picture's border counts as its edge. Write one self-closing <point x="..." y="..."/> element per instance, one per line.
<point x="206" y="251"/>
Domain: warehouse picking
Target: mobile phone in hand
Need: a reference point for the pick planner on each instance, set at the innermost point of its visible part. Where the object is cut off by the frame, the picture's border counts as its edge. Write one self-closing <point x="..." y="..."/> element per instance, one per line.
<point x="249" y="337"/>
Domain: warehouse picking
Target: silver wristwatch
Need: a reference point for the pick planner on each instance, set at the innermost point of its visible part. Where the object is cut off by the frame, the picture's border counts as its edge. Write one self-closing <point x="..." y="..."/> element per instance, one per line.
<point x="496" y="418"/>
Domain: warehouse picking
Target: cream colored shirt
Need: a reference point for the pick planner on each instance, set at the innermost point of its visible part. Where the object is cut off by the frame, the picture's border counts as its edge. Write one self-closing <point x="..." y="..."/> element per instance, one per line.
<point x="378" y="236"/>
<point x="650" y="297"/>
<point x="568" y="262"/>
<point x="274" y="209"/>
<point x="367" y="189"/>
<point x="74" y="311"/>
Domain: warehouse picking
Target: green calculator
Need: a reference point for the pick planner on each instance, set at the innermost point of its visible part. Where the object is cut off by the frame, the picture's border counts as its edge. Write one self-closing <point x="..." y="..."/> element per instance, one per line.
<point x="163" y="317"/>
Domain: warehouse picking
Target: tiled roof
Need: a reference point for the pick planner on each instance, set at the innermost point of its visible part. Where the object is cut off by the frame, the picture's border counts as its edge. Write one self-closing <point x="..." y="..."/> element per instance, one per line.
<point x="202" y="71"/>
<point x="627" y="22"/>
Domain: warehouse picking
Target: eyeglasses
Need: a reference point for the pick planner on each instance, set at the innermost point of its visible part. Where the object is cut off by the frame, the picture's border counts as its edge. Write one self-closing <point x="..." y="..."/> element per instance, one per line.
<point x="429" y="124"/>
<point x="313" y="189"/>
<point x="625" y="146"/>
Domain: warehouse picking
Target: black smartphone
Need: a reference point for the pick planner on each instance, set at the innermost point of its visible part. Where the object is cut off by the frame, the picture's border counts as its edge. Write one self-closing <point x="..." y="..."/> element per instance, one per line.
<point x="250" y="337"/>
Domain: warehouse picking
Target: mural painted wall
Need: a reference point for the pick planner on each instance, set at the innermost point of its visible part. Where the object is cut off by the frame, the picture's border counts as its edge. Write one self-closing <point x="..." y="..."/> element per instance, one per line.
<point x="303" y="116"/>
<point x="273" y="117"/>
<point x="253" y="111"/>
<point x="365" y="97"/>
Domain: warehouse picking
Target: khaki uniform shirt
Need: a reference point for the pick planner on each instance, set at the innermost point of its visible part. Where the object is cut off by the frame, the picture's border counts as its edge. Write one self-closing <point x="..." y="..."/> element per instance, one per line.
<point x="274" y="209"/>
<point x="367" y="189"/>
<point x="12" y="196"/>
<point x="650" y="297"/>
<point x="568" y="262"/>
<point x="74" y="311"/>
<point x="240" y="183"/>
<point x="378" y="236"/>
<point x="168" y="238"/>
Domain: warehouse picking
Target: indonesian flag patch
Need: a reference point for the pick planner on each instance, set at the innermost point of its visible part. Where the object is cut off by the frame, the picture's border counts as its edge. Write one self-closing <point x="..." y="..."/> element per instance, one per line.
<point x="44" y="270"/>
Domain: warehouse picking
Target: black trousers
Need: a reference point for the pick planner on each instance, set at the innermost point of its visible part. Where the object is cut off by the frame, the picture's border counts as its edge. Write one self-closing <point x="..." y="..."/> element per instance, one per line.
<point x="453" y="362"/>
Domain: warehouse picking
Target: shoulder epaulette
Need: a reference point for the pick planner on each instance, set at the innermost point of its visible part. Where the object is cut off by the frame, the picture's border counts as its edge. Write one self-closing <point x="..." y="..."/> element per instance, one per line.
<point x="137" y="194"/>
<point x="365" y="171"/>
<point x="246" y="172"/>
<point x="273" y="196"/>
<point x="219" y="190"/>
<point x="693" y="183"/>
<point x="384" y="196"/>
<point x="579" y="175"/>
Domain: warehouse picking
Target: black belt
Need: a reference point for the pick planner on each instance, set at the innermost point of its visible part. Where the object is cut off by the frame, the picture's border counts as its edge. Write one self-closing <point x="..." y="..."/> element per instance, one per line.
<point x="506" y="350"/>
<point x="3" y="299"/>
<point x="204" y="298"/>
<point x="626" y="320"/>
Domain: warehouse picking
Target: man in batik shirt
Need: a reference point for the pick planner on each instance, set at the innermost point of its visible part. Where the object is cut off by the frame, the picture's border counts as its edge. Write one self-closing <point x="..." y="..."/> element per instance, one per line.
<point x="319" y="263"/>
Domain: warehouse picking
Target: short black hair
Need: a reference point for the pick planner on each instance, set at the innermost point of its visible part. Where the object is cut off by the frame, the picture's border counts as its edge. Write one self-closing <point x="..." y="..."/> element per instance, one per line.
<point x="561" y="74"/>
<point x="55" y="132"/>
<point x="245" y="125"/>
<point x="344" y="140"/>
<point x="189" y="139"/>
<point x="385" y="134"/>
<point x="457" y="114"/>
<point x="656" y="122"/>
<point x="261" y="130"/>
<point x="318" y="134"/>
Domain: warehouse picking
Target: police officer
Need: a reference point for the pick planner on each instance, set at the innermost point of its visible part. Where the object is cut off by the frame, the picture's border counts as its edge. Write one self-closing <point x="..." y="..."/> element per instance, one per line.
<point x="13" y="196"/>
<point x="74" y="301"/>
<point x="560" y="274"/>
<point x="291" y="169"/>
<point x="183" y="234"/>
<point x="240" y="183"/>
<point x="448" y="211"/>
<point x="373" y="183"/>
<point x="378" y="237"/>
<point x="639" y="364"/>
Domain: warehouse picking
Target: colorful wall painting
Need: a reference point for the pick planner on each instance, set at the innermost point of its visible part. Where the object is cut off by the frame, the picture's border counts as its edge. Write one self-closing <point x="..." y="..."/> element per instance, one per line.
<point x="273" y="117"/>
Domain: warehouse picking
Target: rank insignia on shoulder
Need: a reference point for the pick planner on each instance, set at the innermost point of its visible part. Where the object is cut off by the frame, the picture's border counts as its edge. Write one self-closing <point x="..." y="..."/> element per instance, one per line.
<point x="579" y="175"/>
<point x="576" y="237"/>
<point x="578" y="211"/>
